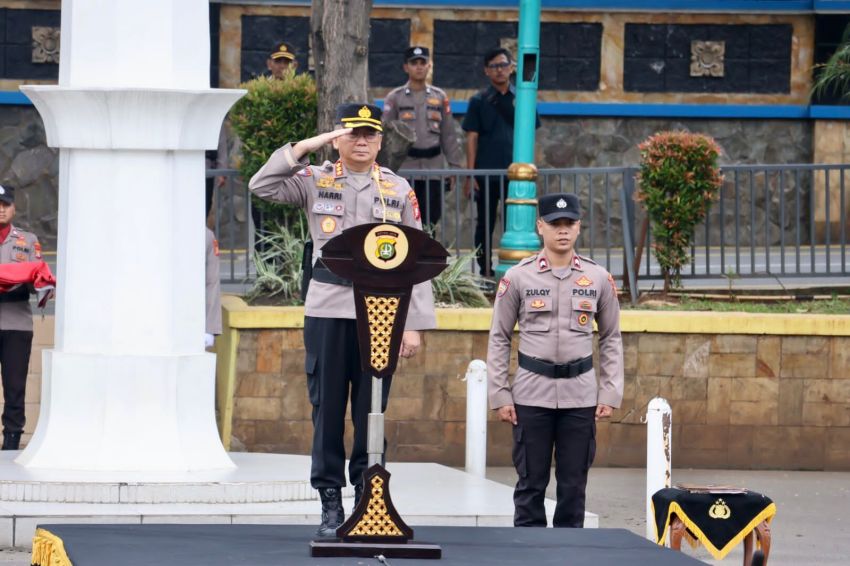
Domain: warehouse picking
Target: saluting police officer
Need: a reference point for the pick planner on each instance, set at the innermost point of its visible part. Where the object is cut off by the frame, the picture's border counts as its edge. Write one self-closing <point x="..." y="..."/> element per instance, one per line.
<point x="427" y="110"/>
<point x="556" y="395"/>
<point x="336" y="196"/>
<point x="15" y="322"/>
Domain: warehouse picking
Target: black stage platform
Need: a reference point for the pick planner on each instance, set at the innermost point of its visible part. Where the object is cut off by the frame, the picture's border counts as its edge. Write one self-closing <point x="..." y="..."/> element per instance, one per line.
<point x="266" y="545"/>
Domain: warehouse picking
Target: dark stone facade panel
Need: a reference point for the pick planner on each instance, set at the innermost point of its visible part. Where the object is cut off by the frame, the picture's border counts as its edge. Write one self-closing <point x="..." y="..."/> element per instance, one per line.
<point x="2" y="26"/>
<point x="458" y="71"/>
<point x="580" y="40"/>
<point x="644" y="75"/>
<point x="388" y="38"/>
<point x="2" y="60"/>
<point x="548" y="69"/>
<point x="488" y="35"/>
<point x="550" y="37"/>
<point x="19" y="23"/>
<point x="385" y="70"/>
<point x="578" y="74"/>
<point x="253" y="64"/>
<point x="769" y="45"/>
<point x="454" y="38"/>
<point x="643" y="41"/>
<point x="19" y="64"/>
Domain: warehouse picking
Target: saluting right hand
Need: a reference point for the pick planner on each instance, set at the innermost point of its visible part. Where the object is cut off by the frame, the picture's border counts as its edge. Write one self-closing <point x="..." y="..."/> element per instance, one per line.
<point x="507" y="414"/>
<point x="315" y="143"/>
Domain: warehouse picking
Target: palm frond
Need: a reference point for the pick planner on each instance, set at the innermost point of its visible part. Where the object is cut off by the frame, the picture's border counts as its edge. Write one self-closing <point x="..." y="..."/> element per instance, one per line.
<point x="833" y="77"/>
<point x="457" y="285"/>
<point x="278" y="265"/>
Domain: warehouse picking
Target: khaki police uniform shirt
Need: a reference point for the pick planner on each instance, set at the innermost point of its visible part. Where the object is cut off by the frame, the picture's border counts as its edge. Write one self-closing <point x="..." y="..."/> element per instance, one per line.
<point x="556" y="315"/>
<point x="429" y="114"/>
<point x="335" y="200"/>
<point x="19" y="246"/>
<point x="213" y="285"/>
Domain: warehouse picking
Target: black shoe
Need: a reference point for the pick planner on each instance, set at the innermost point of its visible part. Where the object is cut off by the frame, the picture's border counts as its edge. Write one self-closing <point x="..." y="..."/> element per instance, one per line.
<point x="358" y="493"/>
<point x="11" y="440"/>
<point x="332" y="513"/>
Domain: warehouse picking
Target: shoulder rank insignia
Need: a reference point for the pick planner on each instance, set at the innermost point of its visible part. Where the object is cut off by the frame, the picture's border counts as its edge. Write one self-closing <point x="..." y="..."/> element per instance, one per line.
<point x="576" y="261"/>
<point x="584" y="281"/>
<point x="542" y="263"/>
<point x="324" y="182"/>
<point x="504" y="285"/>
<point x="338" y="170"/>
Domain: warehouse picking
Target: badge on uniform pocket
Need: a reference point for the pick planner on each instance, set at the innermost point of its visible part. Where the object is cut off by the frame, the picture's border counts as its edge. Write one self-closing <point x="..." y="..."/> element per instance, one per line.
<point x="328" y="224"/>
<point x="407" y="115"/>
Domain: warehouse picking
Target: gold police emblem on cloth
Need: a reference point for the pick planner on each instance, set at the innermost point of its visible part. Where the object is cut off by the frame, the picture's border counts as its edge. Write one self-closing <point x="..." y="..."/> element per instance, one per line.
<point x="385" y="247"/>
<point x="583" y="318"/>
<point x="325" y="182"/>
<point x="584" y="281"/>
<point x="364" y="112"/>
<point x="538" y="304"/>
<point x="328" y="224"/>
<point x="719" y="510"/>
<point x="585" y="305"/>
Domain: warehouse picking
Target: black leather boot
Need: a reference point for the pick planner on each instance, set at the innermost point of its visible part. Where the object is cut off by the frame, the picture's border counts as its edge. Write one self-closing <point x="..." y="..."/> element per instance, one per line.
<point x="11" y="440"/>
<point x="332" y="513"/>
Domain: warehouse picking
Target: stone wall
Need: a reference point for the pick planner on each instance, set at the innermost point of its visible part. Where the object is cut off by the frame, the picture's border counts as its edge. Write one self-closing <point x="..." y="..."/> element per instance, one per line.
<point x="27" y="164"/>
<point x="739" y="401"/>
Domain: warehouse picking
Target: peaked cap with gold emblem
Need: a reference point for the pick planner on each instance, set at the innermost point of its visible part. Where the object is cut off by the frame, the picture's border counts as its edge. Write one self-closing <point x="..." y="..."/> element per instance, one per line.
<point x="359" y="115"/>
<point x="282" y="50"/>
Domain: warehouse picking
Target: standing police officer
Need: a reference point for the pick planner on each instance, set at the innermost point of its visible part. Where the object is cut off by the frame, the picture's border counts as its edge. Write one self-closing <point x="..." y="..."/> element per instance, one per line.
<point x="15" y="322"/>
<point x="427" y="110"/>
<point x="336" y="196"/>
<point x="555" y="398"/>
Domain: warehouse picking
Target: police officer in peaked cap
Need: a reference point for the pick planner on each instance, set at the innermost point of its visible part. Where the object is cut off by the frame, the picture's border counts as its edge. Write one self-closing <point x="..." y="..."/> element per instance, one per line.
<point x="556" y="395"/>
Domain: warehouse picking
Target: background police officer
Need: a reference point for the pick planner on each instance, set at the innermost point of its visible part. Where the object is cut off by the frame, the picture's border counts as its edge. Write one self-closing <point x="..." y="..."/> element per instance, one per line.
<point x="336" y="196"/>
<point x="556" y="397"/>
<point x="15" y="322"/>
<point x="427" y="110"/>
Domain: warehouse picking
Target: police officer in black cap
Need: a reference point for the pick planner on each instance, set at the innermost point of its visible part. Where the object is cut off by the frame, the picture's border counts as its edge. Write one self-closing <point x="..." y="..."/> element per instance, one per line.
<point x="353" y="191"/>
<point x="556" y="395"/>
<point x="281" y="59"/>
<point x="15" y="322"/>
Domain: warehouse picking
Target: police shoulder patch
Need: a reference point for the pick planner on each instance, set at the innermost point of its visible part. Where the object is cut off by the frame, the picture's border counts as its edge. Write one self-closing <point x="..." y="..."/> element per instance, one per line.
<point x="306" y="172"/>
<point x="504" y="285"/>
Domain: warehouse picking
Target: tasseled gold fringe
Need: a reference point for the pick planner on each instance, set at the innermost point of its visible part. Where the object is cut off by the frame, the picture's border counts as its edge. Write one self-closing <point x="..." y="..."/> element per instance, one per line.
<point x="48" y="550"/>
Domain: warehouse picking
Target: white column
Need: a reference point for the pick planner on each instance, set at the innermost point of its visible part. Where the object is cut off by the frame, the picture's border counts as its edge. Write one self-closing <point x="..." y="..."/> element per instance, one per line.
<point x="659" y="458"/>
<point x="476" y="418"/>
<point x="128" y="385"/>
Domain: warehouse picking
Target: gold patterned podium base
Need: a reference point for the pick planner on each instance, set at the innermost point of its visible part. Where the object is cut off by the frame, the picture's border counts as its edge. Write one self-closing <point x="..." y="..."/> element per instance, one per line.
<point x="374" y="527"/>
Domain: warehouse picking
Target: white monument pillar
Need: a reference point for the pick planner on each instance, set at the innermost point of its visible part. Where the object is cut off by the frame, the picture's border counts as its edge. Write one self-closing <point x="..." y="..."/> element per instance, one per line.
<point x="128" y="385"/>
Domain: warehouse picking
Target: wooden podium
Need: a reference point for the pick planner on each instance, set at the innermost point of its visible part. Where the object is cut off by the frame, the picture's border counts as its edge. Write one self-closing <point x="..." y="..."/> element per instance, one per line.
<point x="384" y="262"/>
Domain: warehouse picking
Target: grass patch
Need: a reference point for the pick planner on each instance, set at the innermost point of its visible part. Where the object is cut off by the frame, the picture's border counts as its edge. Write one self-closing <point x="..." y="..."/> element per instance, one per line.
<point x="834" y="305"/>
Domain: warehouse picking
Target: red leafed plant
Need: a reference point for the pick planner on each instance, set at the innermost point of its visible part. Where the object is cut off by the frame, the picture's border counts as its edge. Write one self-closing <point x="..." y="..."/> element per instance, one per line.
<point x="678" y="180"/>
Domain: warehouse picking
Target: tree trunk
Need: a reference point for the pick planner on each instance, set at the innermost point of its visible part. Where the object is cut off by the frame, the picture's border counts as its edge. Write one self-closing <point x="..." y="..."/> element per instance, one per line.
<point x="340" y="32"/>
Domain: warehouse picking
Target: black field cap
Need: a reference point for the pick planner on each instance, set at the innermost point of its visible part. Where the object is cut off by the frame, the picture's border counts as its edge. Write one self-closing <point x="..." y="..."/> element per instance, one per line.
<point x="359" y="115"/>
<point x="283" y="50"/>
<point x="416" y="52"/>
<point x="7" y="194"/>
<point x="558" y="205"/>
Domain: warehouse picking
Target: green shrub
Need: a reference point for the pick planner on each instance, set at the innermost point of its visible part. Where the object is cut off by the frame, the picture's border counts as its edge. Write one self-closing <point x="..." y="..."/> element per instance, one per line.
<point x="273" y="113"/>
<point x="678" y="179"/>
<point x="279" y="266"/>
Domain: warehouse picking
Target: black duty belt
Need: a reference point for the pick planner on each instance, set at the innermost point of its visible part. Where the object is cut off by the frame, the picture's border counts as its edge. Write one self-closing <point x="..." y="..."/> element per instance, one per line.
<point x="424" y="153"/>
<point x="322" y="274"/>
<point x="17" y="295"/>
<point x="543" y="367"/>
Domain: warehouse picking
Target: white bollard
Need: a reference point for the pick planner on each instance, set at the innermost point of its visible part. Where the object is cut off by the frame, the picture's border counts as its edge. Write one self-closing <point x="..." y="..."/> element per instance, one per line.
<point x="476" y="418"/>
<point x="659" y="443"/>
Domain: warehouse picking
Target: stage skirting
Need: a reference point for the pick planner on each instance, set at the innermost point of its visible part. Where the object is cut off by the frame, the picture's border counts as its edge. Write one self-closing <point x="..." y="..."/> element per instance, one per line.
<point x="260" y="545"/>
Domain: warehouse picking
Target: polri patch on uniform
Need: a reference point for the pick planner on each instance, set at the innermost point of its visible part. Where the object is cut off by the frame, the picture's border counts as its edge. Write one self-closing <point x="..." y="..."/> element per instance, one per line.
<point x="328" y="224"/>
<point x="215" y="247"/>
<point x="504" y="285"/>
<point x="584" y="281"/>
<point x="613" y="284"/>
<point x="37" y="248"/>
<point x="411" y="195"/>
<point x="447" y="107"/>
<point x="306" y="172"/>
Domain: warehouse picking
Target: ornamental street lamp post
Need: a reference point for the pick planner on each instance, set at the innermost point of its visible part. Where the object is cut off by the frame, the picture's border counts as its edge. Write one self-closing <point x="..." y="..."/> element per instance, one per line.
<point x="520" y="238"/>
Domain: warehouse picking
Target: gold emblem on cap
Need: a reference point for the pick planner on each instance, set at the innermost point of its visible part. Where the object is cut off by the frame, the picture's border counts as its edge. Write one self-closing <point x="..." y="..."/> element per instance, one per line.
<point x="283" y="48"/>
<point x="364" y="113"/>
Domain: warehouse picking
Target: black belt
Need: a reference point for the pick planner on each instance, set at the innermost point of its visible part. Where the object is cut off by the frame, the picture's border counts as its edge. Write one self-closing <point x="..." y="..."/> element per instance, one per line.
<point x="543" y="367"/>
<point x="424" y="153"/>
<point x="322" y="274"/>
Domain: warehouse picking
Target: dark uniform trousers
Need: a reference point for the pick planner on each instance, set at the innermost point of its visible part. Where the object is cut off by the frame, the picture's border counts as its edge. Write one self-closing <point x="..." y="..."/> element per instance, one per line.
<point x="490" y="191"/>
<point x="15" y="348"/>
<point x="333" y="369"/>
<point x="573" y="434"/>
<point x="428" y="193"/>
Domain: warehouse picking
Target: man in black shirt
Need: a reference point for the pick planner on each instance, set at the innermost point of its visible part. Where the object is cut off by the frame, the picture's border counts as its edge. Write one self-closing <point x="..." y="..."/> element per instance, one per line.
<point x="489" y="127"/>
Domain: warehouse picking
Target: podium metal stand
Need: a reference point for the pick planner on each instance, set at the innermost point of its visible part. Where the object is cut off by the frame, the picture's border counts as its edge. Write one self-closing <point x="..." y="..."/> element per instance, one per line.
<point x="384" y="262"/>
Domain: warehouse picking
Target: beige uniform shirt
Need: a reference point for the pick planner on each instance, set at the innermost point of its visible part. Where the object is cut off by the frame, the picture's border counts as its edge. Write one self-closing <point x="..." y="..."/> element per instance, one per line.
<point x="429" y="114"/>
<point x="335" y="200"/>
<point x="19" y="246"/>
<point x="213" y="286"/>
<point x="555" y="315"/>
